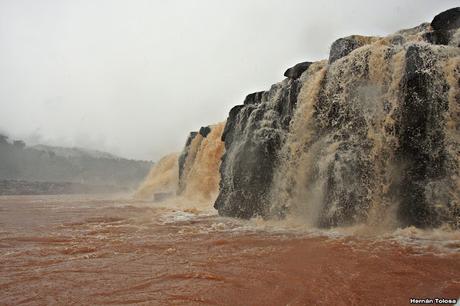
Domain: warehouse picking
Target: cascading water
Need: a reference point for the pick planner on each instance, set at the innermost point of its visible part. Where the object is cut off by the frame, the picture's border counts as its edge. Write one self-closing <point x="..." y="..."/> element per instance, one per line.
<point x="201" y="170"/>
<point x="292" y="183"/>
<point x="335" y="163"/>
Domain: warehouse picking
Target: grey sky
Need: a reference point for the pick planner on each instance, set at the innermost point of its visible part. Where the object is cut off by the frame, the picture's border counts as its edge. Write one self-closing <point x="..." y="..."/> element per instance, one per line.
<point x="134" y="77"/>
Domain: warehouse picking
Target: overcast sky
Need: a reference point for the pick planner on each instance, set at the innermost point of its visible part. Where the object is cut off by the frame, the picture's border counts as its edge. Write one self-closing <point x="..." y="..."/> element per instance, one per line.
<point x="134" y="77"/>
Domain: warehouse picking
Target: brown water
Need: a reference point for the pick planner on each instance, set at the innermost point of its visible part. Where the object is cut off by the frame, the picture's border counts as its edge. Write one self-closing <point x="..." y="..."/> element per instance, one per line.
<point x="87" y="250"/>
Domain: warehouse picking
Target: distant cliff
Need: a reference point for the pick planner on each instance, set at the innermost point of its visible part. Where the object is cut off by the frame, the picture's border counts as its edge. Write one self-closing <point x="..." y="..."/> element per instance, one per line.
<point x="19" y="162"/>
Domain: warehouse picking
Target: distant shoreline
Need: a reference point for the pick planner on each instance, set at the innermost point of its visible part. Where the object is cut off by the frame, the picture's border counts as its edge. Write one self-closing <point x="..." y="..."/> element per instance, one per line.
<point x="22" y="187"/>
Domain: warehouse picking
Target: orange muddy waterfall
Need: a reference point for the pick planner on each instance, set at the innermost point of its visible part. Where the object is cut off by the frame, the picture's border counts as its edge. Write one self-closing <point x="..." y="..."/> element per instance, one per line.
<point x="202" y="174"/>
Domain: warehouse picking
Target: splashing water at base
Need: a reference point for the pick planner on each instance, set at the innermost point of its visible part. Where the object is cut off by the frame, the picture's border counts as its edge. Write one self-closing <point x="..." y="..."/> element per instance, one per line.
<point x="100" y="250"/>
<point x="162" y="178"/>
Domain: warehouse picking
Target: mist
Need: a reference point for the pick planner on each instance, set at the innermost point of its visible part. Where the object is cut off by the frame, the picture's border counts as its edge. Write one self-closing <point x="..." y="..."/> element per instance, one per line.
<point x="134" y="77"/>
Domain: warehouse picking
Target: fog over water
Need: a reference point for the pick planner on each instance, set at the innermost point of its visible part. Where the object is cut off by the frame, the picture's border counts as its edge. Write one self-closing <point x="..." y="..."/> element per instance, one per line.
<point x="134" y="77"/>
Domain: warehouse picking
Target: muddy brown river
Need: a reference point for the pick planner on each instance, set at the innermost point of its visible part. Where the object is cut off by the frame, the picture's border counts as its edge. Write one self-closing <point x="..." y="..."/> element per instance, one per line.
<point x="78" y="250"/>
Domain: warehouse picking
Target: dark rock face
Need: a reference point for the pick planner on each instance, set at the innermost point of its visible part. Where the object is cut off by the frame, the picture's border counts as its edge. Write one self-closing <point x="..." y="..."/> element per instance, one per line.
<point x="253" y="134"/>
<point x="343" y="46"/>
<point x="204" y="131"/>
<point x="447" y="20"/>
<point x="254" y="98"/>
<point x="296" y="71"/>
<point x="422" y="151"/>
<point x="444" y="25"/>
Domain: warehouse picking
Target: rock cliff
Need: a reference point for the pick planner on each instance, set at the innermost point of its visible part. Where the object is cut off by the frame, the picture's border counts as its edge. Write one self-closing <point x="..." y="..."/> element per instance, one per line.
<point x="370" y="134"/>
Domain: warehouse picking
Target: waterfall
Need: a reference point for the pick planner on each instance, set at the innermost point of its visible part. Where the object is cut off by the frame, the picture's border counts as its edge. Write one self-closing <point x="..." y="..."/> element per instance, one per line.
<point x="369" y="136"/>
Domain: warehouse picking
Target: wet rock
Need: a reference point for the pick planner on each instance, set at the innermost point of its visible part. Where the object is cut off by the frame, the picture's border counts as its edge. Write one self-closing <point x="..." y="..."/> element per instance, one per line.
<point x="422" y="152"/>
<point x="344" y="46"/>
<point x="254" y="98"/>
<point x="447" y="20"/>
<point x="444" y="26"/>
<point x="296" y="71"/>
<point x="190" y="137"/>
<point x="204" y="131"/>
